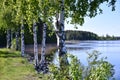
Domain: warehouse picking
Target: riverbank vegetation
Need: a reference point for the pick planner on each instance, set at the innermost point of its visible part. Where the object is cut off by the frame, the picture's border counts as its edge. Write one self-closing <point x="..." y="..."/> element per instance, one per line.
<point x="14" y="67"/>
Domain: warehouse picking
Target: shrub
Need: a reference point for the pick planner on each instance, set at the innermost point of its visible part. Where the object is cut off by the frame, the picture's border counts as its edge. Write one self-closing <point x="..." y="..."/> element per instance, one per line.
<point x="97" y="69"/>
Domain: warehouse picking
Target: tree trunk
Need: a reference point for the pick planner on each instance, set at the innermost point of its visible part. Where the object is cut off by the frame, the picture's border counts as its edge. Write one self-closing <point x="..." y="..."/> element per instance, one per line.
<point x="61" y="36"/>
<point x="43" y="43"/>
<point x="17" y="40"/>
<point x="35" y="46"/>
<point x="8" y="38"/>
<point x="22" y="41"/>
<point x="11" y="39"/>
<point x="43" y="65"/>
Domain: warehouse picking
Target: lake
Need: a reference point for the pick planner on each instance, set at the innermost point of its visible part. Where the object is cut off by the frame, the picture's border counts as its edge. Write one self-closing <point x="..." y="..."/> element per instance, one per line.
<point x="109" y="49"/>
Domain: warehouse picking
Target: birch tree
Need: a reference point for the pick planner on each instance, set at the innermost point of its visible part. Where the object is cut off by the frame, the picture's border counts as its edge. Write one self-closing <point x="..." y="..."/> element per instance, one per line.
<point x="19" y="17"/>
<point x="35" y="45"/>
<point x="76" y="10"/>
<point x="32" y="18"/>
<point x="22" y="41"/>
<point x="61" y="35"/>
<point x="17" y="39"/>
<point x="32" y="10"/>
<point x="43" y="64"/>
<point x="45" y="19"/>
<point x="6" y="20"/>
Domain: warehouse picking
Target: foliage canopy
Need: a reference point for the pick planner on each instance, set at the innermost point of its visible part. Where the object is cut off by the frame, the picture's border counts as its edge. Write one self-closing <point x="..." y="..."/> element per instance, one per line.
<point x="31" y="10"/>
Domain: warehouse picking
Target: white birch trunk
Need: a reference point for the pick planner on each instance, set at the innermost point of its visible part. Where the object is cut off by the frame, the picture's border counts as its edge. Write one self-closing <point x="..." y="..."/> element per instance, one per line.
<point x="43" y="64"/>
<point x="22" y="41"/>
<point x="61" y="34"/>
<point x="57" y="40"/>
<point x="17" y="40"/>
<point x="35" y="45"/>
<point x="8" y="38"/>
<point x="43" y="43"/>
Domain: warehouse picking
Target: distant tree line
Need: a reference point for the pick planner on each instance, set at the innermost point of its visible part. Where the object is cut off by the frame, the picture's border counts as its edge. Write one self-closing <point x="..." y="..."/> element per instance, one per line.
<point x="81" y="35"/>
<point x="85" y="35"/>
<point x="108" y="37"/>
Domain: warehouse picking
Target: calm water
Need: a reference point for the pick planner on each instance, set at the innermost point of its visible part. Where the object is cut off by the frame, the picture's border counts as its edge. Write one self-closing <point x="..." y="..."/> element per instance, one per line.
<point x="109" y="49"/>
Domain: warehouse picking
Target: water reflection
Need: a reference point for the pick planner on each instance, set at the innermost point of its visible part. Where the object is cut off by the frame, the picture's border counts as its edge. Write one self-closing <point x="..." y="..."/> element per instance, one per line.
<point x="109" y="49"/>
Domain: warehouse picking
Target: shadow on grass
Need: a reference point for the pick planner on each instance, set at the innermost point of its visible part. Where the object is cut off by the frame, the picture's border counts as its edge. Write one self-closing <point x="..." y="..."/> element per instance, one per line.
<point x="7" y="54"/>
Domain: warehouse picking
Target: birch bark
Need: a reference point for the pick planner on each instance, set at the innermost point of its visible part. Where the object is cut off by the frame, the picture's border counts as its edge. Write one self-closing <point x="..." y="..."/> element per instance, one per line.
<point x="43" y="43"/>
<point x="22" y="41"/>
<point x="43" y="65"/>
<point x="61" y="37"/>
<point x="17" y="40"/>
<point x="35" y="45"/>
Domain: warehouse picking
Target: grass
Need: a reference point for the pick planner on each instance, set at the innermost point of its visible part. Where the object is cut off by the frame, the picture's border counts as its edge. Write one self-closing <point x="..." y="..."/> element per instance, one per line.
<point x="14" y="67"/>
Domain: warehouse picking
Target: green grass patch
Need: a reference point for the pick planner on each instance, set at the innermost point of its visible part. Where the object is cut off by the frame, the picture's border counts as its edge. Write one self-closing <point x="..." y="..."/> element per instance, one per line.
<point x="14" y="67"/>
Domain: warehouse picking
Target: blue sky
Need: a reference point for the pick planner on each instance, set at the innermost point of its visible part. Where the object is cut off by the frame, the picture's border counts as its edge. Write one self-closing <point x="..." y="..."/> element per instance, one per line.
<point x="106" y="23"/>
